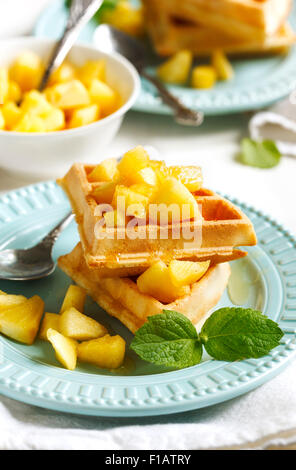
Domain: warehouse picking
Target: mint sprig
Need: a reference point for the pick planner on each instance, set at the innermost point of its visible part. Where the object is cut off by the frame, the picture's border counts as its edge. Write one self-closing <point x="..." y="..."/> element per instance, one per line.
<point x="230" y="334"/>
<point x="259" y="154"/>
<point x="169" y="339"/>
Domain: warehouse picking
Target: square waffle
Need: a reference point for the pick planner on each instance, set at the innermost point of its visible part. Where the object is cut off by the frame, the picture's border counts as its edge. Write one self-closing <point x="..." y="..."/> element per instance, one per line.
<point x="176" y="26"/>
<point x="223" y="226"/>
<point x="240" y="18"/>
<point x="121" y="298"/>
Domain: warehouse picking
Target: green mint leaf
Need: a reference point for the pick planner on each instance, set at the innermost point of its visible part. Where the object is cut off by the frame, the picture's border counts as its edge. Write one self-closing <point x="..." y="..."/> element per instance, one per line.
<point x="168" y="339"/>
<point x="232" y="334"/>
<point x="259" y="154"/>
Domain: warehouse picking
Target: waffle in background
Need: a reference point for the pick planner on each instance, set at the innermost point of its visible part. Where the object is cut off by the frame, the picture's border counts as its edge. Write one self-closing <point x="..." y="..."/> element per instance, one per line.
<point x="236" y="26"/>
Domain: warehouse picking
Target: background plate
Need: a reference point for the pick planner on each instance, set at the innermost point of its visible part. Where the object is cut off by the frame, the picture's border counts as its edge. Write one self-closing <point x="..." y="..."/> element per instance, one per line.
<point x="31" y="373"/>
<point x="258" y="82"/>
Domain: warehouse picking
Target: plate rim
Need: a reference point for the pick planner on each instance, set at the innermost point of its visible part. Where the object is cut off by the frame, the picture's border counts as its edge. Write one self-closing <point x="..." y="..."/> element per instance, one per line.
<point x="183" y="392"/>
<point x="213" y="103"/>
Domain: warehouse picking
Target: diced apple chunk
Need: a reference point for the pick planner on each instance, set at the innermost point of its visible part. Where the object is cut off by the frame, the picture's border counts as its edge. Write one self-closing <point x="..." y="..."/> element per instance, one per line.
<point x="65" y="348"/>
<point x="132" y="161"/>
<point x="144" y="189"/>
<point x="190" y="176"/>
<point x="222" y="65"/>
<point x="2" y="120"/>
<point x="145" y="176"/>
<point x="83" y="116"/>
<point x="14" y="92"/>
<point x="105" y="171"/>
<point x="157" y="283"/>
<point x="185" y="273"/>
<point x="64" y="73"/>
<point x="4" y="84"/>
<point x="92" y="69"/>
<point x="30" y="123"/>
<point x="54" y="120"/>
<point x="175" y="202"/>
<point x="11" y="114"/>
<point x="107" y="352"/>
<point x="7" y="300"/>
<point x="21" y="322"/>
<point x="68" y="95"/>
<point x="50" y="320"/>
<point x="75" y="297"/>
<point x="27" y="71"/>
<point x="103" y="194"/>
<point x="80" y="327"/>
<point x="36" y="103"/>
<point x="176" y="69"/>
<point x="104" y="96"/>
<point x="203" y="76"/>
<point x="129" y="202"/>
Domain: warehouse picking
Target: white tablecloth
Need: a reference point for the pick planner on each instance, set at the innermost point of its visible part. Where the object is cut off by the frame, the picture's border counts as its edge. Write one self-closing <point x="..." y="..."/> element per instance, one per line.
<point x="264" y="417"/>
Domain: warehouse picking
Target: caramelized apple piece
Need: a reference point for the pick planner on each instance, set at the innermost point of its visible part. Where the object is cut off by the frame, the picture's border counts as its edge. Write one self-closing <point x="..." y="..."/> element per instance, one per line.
<point x="64" y="73"/>
<point x="190" y="176"/>
<point x="11" y="114"/>
<point x="184" y="273"/>
<point x="222" y="65"/>
<point x="80" y="327"/>
<point x="92" y="69"/>
<point x="65" y="348"/>
<point x="83" y="116"/>
<point x="203" y="76"/>
<point x="4" y="84"/>
<point x="21" y="322"/>
<point x="157" y="283"/>
<point x="107" y="352"/>
<point x="75" y="297"/>
<point x="105" y="171"/>
<point x="7" y="300"/>
<point x="176" y="69"/>
<point x="103" y="194"/>
<point x="175" y="202"/>
<point x="68" y="95"/>
<point x="50" y="320"/>
<point x="131" y="200"/>
<point x="27" y="71"/>
<point x="103" y="95"/>
<point x="132" y="162"/>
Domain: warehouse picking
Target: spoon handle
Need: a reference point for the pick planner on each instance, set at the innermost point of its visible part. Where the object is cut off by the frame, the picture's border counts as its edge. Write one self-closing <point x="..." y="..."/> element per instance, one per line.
<point x="81" y="11"/>
<point x="183" y="115"/>
<point x="49" y="240"/>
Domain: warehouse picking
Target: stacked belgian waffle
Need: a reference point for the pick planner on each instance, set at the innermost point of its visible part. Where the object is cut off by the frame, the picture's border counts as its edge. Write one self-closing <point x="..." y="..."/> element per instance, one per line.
<point x="118" y="250"/>
<point x="236" y="26"/>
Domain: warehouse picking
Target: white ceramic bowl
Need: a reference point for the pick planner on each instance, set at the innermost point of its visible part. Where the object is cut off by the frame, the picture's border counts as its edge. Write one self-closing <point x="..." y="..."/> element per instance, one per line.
<point x="47" y="155"/>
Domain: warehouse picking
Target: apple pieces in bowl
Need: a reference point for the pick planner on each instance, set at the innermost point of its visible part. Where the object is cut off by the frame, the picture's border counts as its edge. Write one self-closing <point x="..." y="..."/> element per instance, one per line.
<point x="74" y="97"/>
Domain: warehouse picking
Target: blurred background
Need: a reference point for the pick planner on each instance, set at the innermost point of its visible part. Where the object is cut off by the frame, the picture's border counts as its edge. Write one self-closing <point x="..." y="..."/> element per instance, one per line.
<point x="215" y="146"/>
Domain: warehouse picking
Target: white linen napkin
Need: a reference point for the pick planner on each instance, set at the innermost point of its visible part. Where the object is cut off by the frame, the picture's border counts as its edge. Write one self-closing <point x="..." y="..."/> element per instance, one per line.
<point x="259" y="419"/>
<point x="278" y="124"/>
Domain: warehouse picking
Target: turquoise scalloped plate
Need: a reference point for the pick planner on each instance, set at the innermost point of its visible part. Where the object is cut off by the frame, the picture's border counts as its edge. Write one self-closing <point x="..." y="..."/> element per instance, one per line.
<point x="32" y="375"/>
<point x="258" y="82"/>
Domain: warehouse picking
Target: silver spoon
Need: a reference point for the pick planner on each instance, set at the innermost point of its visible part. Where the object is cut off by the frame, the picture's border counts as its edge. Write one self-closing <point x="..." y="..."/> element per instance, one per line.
<point x="81" y="11"/>
<point x="109" y="39"/>
<point x="35" y="262"/>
